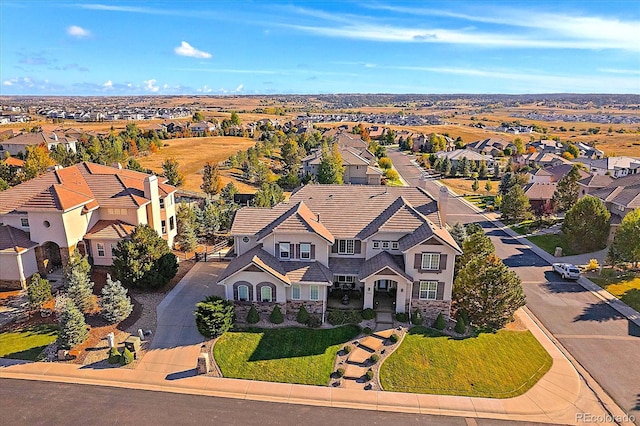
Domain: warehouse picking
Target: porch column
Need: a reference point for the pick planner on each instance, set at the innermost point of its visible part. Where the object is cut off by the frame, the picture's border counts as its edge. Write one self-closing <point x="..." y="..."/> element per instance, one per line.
<point x="401" y="297"/>
<point x="368" y="295"/>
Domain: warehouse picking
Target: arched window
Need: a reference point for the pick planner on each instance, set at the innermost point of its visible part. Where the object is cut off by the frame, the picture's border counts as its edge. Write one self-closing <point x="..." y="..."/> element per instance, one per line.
<point x="243" y="292"/>
<point x="265" y="294"/>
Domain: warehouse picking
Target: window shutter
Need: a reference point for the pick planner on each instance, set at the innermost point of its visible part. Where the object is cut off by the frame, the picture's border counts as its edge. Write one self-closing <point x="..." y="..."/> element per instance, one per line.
<point x="357" y="246"/>
<point x="418" y="261"/>
<point x="443" y="262"/>
<point x="440" y="291"/>
<point x="250" y="292"/>
<point x="313" y="251"/>
<point x="277" y="253"/>
<point x="415" y="293"/>
<point x="297" y="255"/>
<point x="235" y="291"/>
<point x="334" y="247"/>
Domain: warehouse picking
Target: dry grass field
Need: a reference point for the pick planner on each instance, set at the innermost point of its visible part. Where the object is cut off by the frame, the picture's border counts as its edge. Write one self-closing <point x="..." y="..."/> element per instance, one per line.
<point x="192" y="153"/>
<point x="462" y="186"/>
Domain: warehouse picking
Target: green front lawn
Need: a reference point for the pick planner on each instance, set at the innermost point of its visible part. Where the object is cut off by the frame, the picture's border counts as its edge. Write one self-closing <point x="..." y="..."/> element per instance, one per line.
<point x="625" y="287"/>
<point x="549" y="242"/>
<point x="482" y="201"/>
<point x="288" y="355"/>
<point x="27" y="343"/>
<point x="529" y="226"/>
<point x="500" y="365"/>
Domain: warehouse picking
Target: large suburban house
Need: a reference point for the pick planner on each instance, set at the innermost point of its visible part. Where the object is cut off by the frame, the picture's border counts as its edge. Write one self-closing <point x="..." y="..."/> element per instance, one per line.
<point x="620" y="197"/>
<point x="615" y="167"/>
<point x="377" y="242"/>
<point x="17" y="144"/>
<point x="456" y="155"/>
<point x="359" y="165"/>
<point x="86" y="206"/>
<point x="491" y="146"/>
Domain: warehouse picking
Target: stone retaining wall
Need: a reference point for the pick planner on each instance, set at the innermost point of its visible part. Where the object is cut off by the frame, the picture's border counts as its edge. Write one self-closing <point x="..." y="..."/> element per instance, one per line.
<point x="312" y="306"/>
<point x="431" y="308"/>
<point x="264" y="309"/>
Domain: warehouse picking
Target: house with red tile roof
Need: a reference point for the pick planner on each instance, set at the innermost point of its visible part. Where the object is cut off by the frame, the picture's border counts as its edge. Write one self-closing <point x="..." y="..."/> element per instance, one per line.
<point x="86" y="206"/>
<point x="375" y="243"/>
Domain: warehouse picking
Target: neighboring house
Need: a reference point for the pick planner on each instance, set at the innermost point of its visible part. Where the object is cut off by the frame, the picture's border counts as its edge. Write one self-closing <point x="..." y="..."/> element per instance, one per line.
<point x="492" y="146"/>
<point x="201" y="128"/>
<point x="589" y="151"/>
<point x="458" y="154"/>
<point x="592" y="183"/>
<point x="359" y="166"/>
<point x="86" y="206"/>
<point x="17" y="145"/>
<point x="539" y="193"/>
<point x="547" y="146"/>
<point x="377" y="242"/>
<point x="614" y="166"/>
<point x="540" y="159"/>
<point x="541" y="176"/>
<point x="621" y="196"/>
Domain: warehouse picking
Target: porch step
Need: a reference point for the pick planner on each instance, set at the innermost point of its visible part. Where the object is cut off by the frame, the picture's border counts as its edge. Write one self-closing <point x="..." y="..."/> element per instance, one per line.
<point x="354" y="372"/>
<point x="372" y="342"/>
<point x="358" y="355"/>
<point x="384" y="317"/>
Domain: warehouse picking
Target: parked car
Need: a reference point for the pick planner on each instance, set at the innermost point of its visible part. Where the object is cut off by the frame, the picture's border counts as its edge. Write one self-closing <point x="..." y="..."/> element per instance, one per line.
<point x="567" y="270"/>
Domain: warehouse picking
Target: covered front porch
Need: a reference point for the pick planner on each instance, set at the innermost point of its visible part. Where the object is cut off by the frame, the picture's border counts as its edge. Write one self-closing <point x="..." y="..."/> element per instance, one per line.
<point x="382" y="296"/>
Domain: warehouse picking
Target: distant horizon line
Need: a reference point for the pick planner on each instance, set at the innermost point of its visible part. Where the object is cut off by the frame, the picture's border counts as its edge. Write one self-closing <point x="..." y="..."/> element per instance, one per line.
<point x="235" y="95"/>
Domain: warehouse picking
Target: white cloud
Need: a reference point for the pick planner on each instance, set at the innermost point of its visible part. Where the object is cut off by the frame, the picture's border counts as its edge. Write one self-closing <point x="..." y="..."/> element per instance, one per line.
<point x="619" y="71"/>
<point x="7" y="83"/>
<point x="108" y="84"/>
<point x="150" y="85"/>
<point x="185" y="49"/>
<point x="239" y="88"/>
<point x="78" y="32"/>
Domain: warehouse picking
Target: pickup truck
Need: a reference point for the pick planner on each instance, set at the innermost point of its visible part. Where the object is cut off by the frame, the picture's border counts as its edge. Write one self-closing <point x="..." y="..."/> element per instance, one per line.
<point x="567" y="270"/>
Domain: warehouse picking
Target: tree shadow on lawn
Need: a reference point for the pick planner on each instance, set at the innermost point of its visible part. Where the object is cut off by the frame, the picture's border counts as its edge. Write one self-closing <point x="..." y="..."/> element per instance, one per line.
<point x="28" y="354"/>
<point x="295" y="342"/>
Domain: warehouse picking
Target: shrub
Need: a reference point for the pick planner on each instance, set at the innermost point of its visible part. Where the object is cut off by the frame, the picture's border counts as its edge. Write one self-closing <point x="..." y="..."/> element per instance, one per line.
<point x="303" y="316"/>
<point x="460" y="327"/>
<point x="391" y="174"/>
<point x="114" y="356"/>
<point x="346" y="349"/>
<point x="276" y="316"/>
<point x="416" y="317"/>
<point x="394" y="338"/>
<point x="116" y="305"/>
<point x="314" y="321"/>
<point x="253" y="316"/>
<point x="214" y="316"/>
<point x="384" y="163"/>
<point x="374" y="358"/>
<point x="39" y="291"/>
<point x="401" y="317"/>
<point x="439" y="323"/>
<point x="367" y="330"/>
<point x="368" y="314"/>
<point x="369" y="375"/>
<point x="339" y="317"/>
<point x="340" y="372"/>
<point x="126" y="358"/>
<point x="73" y="329"/>
<point x="593" y="265"/>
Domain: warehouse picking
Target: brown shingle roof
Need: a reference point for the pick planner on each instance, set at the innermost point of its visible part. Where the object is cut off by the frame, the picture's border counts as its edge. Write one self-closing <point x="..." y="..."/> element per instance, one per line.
<point x="540" y="191"/>
<point x="596" y="181"/>
<point x="110" y="230"/>
<point x="261" y="259"/>
<point x="624" y="191"/>
<point x="307" y="272"/>
<point x="381" y="261"/>
<point x="345" y="265"/>
<point x="297" y="218"/>
<point x="14" y="240"/>
<point x="399" y="216"/>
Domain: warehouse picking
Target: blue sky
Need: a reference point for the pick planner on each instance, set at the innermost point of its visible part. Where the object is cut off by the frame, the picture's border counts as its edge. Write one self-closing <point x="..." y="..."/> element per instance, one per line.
<point x="308" y="47"/>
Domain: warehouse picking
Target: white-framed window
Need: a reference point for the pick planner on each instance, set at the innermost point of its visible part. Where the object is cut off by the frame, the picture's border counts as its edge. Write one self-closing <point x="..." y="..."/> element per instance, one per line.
<point x="314" y="292"/>
<point x="376" y="245"/>
<point x="385" y="245"/>
<point x="430" y="261"/>
<point x="162" y="203"/>
<point x="164" y="226"/>
<point x="395" y="245"/>
<point x="346" y="246"/>
<point x="285" y="251"/>
<point x="266" y="294"/>
<point x="428" y="290"/>
<point x="24" y="221"/>
<point x="295" y="292"/>
<point x="305" y="251"/>
<point x="243" y="292"/>
<point x="345" y="278"/>
<point x="100" y="248"/>
<point x="113" y="247"/>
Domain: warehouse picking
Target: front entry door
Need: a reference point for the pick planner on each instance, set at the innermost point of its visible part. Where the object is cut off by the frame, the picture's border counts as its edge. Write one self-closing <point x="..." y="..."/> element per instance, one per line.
<point x="382" y="284"/>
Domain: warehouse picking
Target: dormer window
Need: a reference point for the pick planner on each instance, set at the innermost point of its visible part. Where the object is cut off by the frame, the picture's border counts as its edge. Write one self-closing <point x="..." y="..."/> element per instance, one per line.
<point x="285" y="251"/>
<point x="346" y="246"/>
<point x="24" y="221"/>
<point x="385" y="245"/>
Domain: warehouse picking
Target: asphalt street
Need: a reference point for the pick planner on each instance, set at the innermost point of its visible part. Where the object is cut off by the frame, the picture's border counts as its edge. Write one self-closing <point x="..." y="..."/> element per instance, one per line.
<point x="25" y="402"/>
<point x="604" y="342"/>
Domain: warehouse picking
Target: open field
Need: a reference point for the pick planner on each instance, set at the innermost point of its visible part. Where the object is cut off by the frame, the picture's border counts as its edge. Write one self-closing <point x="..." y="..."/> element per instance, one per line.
<point x="499" y="365"/>
<point x="289" y="355"/>
<point x="192" y="153"/>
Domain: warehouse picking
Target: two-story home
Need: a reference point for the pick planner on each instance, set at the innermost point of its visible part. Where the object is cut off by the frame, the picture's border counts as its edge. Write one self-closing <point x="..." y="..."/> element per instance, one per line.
<point x="621" y="196"/>
<point x="86" y="206"/>
<point x="378" y="242"/>
<point x="359" y="166"/>
<point x="17" y="145"/>
<point x="615" y="167"/>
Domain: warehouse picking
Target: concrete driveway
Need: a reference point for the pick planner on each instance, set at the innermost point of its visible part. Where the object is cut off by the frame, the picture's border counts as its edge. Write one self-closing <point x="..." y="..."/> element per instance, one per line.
<point x="176" y="343"/>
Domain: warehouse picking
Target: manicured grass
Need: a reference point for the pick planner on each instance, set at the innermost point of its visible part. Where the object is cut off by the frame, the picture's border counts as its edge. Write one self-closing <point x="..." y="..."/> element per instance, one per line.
<point x="27" y="343"/>
<point x="462" y="186"/>
<point x="549" y="242"/>
<point x="500" y="365"/>
<point x="625" y="287"/>
<point x="481" y="201"/>
<point x="528" y="226"/>
<point x="288" y="355"/>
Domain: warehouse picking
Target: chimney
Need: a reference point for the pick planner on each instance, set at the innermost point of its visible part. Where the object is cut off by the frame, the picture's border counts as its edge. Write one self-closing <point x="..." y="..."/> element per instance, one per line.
<point x="443" y="200"/>
<point x="153" y="208"/>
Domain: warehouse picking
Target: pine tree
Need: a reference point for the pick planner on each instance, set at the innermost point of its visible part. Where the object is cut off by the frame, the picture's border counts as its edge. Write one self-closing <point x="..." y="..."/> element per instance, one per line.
<point x="171" y="170"/>
<point x="73" y="329"/>
<point x="39" y="291"/>
<point x="80" y="290"/>
<point x="228" y="193"/>
<point x="475" y="185"/>
<point x="459" y="233"/>
<point x="488" y="186"/>
<point x="116" y="305"/>
<point x="483" y="171"/>
<point x="515" y="205"/>
<point x="186" y="236"/>
<point x="76" y="262"/>
<point x="211" y="181"/>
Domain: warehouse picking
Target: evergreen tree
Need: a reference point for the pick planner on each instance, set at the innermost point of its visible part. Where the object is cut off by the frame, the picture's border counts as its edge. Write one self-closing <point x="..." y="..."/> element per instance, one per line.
<point x="483" y="171"/>
<point x="80" y="290"/>
<point x="515" y="205"/>
<point x="171" y="170"/>
<point x="228" y="193"/>
<point x="488" y="292"/>
<point x="446" y="166"/>
<point x="567" y="190"/>
<point x="39" y="291"/>
<point x="73" y="329"/>
<point x="211" y="181"/>
<point x="488" y="186"/>
<point x="268" y="195"/>
<point x="186" y="236"/>
<point x="459" y="233"/>
<point x="464" y="167"/>
<point x="496" y="169"/>
<point x="586" y="225"/>
<point x="330" y="169"/>
<point x="116" y="305"/>
<point x="506" y="183"/>
<point x="626" y="242"/>
<point x="76" y="262"/>
<point x="475" y="185"/>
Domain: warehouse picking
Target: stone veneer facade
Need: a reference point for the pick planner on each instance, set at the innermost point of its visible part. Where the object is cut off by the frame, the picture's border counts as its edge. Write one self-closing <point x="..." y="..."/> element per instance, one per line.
<point x="312" y="306"/>
<point x="431" y="308"/>
<point x="264" y="309"/>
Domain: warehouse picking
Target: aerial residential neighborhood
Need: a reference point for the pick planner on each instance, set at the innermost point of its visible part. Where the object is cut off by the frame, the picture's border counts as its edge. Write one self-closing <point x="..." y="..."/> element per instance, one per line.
<point x="319" y="212"/>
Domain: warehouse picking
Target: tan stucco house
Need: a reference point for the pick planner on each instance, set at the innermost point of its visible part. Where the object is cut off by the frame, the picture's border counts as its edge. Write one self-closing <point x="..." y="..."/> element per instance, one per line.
<point x="378" y="242"/>
<point x="86" y="206"/>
